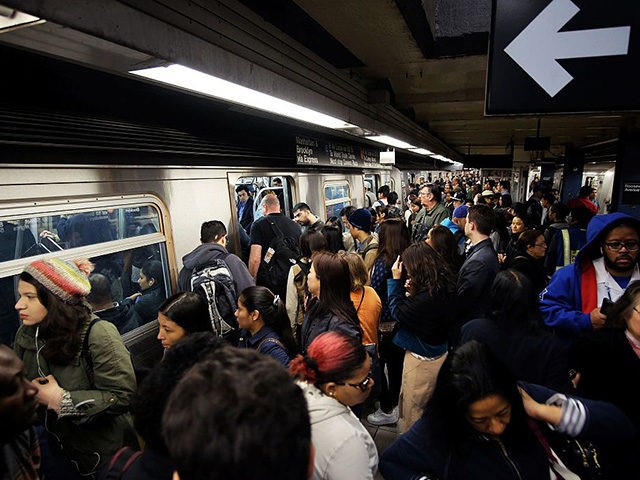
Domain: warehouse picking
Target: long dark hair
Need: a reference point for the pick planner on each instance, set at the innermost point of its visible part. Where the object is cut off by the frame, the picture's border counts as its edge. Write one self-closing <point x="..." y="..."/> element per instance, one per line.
<point x="62" y="326"/>
<point x="513" y="302"/>
<point x="393" y="239"/>
<point x="188" y="310"/>
<point x="333" y="235"/>
<point x="443" y="242"/>
<point x="335" y="287"/>
<point x="429" y="272"/>
<point x="272" y="311"/>
<point x="312" y="241"/>
<point x="471" y="373"/>
<point x="623" y="307"/>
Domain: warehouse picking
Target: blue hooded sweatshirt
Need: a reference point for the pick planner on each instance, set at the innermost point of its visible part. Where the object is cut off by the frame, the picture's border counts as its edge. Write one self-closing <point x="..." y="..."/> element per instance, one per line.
<point x="561" y="301"/>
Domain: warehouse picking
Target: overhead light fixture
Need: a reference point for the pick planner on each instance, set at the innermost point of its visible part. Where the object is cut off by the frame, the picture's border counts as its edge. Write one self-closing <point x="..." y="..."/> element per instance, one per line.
<point x="421" y="151"/>
<point x="190" y="79"/>
<point x="393" y="142"/>
<point x="13" y="19"/>
<point x="441" y="157"/>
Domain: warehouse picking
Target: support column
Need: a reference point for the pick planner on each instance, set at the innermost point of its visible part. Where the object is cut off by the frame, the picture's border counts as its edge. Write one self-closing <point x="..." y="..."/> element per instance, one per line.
<point x="572" y="178"/>
<point x="626" y="183"/>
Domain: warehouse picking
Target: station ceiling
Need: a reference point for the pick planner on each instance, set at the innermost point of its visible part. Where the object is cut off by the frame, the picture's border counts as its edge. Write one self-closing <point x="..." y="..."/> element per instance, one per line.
<point x="418" y="65"/>
<point x="430" y="58"/>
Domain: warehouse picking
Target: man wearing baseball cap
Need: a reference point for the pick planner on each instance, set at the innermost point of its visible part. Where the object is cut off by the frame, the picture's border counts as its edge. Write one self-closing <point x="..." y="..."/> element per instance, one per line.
<point x="456" y="225"/>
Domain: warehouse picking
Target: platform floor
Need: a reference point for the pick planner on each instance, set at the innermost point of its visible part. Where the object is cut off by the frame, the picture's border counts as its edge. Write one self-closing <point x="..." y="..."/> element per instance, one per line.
<point x="383" y="435"/>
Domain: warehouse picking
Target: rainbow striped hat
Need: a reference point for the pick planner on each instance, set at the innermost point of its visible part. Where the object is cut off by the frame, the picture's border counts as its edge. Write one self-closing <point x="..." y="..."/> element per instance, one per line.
<point x="63" y="279"/>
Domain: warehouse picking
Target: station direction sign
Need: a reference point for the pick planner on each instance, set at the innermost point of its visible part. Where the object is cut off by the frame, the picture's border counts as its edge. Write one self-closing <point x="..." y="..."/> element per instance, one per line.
<point x="563" y="56"/>
<point x="314" y="151"/>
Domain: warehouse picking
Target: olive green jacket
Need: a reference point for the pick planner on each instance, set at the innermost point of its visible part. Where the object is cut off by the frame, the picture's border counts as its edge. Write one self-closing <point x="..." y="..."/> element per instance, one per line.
<point x="98" y="424"/>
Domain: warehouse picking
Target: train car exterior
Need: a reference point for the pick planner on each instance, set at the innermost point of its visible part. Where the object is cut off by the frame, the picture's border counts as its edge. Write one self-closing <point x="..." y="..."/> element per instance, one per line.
<point x="120" y="215"/>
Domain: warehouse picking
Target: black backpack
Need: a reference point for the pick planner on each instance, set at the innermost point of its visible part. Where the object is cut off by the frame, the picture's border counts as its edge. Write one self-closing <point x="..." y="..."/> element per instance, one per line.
<point x="214" y="282"/>
<point x="282" y="254"/>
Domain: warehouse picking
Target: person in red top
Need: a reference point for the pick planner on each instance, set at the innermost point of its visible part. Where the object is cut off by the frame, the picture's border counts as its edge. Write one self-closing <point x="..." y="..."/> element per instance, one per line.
<point x="585" y="199"/>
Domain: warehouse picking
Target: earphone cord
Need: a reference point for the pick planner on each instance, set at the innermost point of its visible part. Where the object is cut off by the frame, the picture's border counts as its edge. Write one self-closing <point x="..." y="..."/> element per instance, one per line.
<point x="38" y="350"/>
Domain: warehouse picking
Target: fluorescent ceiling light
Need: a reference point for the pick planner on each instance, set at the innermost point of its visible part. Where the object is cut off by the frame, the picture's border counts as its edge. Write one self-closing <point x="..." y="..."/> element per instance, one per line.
<point x="441" y="157"/>
<point x="184" y="77"/>
<point x="12" y="19"/>
<point x="394" y="142"/>
<point x="421" y="151"/>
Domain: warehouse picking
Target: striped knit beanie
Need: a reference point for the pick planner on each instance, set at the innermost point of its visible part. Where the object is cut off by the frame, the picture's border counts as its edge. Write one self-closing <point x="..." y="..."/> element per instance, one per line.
<point x="63" y="279"/>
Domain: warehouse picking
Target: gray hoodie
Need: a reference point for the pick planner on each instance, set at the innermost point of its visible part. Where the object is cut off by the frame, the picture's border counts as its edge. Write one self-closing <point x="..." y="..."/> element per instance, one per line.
<point x="207" y="252"/>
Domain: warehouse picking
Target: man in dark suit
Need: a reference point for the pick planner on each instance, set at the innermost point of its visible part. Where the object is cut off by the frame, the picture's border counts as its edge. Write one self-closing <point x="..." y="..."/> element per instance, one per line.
<point x="480" y="267"/>
<point x="245" y="207"/>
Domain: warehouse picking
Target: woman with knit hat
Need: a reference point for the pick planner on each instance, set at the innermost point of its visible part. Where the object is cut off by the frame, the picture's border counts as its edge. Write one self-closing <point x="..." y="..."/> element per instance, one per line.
<point x="81" y="367"/>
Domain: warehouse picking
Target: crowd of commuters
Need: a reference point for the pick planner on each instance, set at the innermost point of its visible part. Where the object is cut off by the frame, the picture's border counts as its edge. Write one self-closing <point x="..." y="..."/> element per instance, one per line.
<point x="486" y="329"/>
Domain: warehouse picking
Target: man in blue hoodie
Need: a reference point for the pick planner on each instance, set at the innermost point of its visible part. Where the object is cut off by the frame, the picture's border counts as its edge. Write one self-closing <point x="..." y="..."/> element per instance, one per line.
<point x="574" y="299"/>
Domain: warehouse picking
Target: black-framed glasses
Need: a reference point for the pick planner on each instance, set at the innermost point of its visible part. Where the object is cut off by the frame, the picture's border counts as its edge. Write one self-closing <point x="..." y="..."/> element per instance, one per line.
<point x="540" y="245"/>
<point x="363" y="385"/>
<point x="630" y="245"/>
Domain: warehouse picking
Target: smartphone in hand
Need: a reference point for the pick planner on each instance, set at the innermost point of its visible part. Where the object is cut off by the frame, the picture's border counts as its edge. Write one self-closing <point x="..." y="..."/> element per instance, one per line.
<point x="606" y="306"/>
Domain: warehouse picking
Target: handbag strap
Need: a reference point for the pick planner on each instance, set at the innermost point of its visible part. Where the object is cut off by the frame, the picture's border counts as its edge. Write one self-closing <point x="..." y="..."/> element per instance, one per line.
<point x="554" y="460"/>
<point x="86" y="353"/>
<point x="361" y="300"/>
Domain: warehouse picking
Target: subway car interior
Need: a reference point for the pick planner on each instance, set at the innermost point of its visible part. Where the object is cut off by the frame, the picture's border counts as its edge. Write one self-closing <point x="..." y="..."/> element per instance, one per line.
<point x="126" y="124"/>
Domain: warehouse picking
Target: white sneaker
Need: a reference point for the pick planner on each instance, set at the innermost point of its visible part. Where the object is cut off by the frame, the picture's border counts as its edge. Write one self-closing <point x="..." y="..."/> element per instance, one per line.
<point x="380" y="418"/>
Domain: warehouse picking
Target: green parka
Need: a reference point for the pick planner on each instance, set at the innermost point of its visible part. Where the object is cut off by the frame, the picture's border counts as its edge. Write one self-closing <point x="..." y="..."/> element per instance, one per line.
<point x="101" y="424"/>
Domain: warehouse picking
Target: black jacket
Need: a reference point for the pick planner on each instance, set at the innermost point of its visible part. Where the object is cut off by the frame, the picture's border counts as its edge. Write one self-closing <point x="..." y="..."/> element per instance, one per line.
<point x="535" y="356"/>
<point x="313" y="325"/>
<point x="146" y="306"/>
<point x="531" y="268"/>
<point x="247" y="215"/>
<point x="475" y="279"/>
<point x="429" y="317"/>
<point x="122" y="315"/>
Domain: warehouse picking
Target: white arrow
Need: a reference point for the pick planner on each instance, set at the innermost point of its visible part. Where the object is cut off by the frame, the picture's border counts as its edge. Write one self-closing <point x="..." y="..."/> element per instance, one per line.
<point x="540" y="44"/>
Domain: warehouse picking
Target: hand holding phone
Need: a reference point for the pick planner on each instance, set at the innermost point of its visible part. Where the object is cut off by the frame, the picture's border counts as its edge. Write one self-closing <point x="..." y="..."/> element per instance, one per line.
<point x="606" y="306"/>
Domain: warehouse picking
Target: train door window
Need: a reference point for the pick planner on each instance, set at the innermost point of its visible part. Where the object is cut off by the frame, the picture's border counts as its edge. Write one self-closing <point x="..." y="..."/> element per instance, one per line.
<point x="126" y="242"/>
<point x="337" y="195"/>
<point x="374" y="180"/>
<point x="281" y="185"/>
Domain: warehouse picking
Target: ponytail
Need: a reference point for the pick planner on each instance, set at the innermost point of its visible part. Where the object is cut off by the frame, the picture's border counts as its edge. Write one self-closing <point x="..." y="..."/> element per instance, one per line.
<point x="331" y="357"/>
<point x="273" y="312"/>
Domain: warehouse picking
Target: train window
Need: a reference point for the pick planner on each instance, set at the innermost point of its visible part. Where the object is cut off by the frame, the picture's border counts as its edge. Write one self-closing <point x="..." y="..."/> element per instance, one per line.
<point x="126" y="243"/>
<point x="374" y="180"/>
<point x="23" y="237"/>
<point x="262" y="185"/>
<point x="337" y="195"/>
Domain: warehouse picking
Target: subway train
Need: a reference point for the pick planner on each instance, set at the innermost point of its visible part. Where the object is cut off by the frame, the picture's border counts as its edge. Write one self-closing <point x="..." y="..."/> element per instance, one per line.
<point x="121" y="216"/>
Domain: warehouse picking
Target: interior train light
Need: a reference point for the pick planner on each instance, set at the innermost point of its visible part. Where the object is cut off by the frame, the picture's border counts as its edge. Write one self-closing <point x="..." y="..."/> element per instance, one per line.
<point x="187" y="78"/>
<point x="393" y="142"/>
<point x="421" y="151"/>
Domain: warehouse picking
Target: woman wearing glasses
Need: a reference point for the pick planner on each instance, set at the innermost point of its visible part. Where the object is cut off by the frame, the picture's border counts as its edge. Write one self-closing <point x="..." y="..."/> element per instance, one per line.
<point x="530" y="259"/>
<point x="334" y="375"/>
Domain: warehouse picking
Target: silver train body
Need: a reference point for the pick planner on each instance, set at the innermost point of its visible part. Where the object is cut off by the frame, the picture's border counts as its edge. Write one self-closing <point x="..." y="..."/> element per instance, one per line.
<point x="159" y="207"/>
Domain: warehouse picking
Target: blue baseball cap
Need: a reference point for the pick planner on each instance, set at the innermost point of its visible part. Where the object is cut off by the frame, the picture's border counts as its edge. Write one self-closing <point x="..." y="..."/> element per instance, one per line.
<point x="460" y="212"/>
